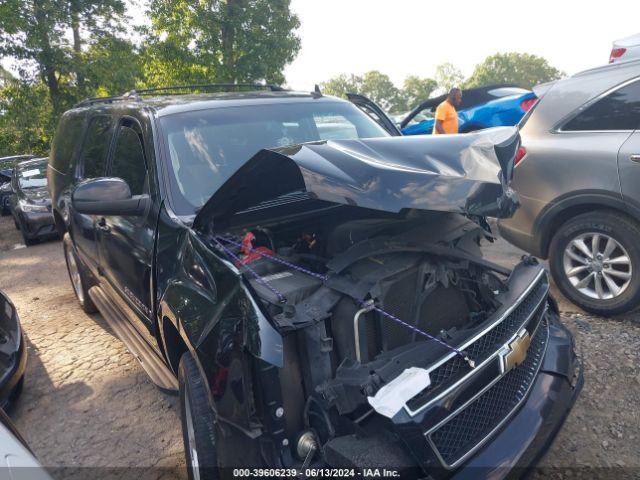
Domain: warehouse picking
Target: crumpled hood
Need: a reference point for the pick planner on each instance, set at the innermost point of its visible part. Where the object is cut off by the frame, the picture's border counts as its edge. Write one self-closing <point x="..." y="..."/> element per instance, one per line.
<point x="468" y="174"/>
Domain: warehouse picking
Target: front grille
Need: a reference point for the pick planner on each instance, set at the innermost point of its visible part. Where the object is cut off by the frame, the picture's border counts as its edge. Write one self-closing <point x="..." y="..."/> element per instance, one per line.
<point x="489" y="343"/>
<point x="474" y="423"/>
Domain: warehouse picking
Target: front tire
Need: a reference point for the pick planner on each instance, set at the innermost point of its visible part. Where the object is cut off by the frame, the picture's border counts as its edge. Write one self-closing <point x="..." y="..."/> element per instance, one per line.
<point x="198" y="422"/>
<point x="595" y="262"/>
<point x="78" y="276"/>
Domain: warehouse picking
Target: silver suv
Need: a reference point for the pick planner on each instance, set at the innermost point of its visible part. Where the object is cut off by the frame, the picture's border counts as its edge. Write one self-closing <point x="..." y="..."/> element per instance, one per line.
<point x="578" y="178"/>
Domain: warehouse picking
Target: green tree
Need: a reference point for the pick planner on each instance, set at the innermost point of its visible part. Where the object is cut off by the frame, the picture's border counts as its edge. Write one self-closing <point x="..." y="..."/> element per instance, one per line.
<point x="379" y="88"/>
<point x="64" y="50"/>
<point x="46" y="38"/>
<point x="416" y="89"/>
<point x="111" y="67"/>
<point x="521" y="69"/>
<point x="5" y="76"/>
<point x="375" y="85"/>
<point x="219" y="40"/>
<point x="341" y="85"/>
<point x="101" y="19"/>
<point x="448" y="76"/>
<point x="26" y="120"/>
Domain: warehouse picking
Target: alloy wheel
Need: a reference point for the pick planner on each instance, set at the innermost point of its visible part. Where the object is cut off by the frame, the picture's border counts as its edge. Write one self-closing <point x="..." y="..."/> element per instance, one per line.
<point x="597" y="265"/>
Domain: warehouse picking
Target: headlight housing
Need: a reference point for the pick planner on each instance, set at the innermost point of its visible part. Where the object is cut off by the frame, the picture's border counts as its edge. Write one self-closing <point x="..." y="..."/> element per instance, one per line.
<point x="32" y="207"/>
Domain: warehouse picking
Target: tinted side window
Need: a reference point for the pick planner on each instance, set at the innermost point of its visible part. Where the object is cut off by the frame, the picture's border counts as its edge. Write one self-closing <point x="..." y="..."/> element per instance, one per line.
<point x="64" y="145"/>
<point x="128" y="160"/>
<point x="96" y="146"/>
<point x="620" y="110"/>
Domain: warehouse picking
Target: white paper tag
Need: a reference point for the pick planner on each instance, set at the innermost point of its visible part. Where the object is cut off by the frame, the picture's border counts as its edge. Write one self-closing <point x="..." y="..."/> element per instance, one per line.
<point x="391" y="398"/>
<point x="30" y="173"/>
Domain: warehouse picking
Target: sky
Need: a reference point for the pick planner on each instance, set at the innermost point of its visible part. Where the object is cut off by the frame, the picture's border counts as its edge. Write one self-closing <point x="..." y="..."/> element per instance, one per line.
<point x="412" y="37"/>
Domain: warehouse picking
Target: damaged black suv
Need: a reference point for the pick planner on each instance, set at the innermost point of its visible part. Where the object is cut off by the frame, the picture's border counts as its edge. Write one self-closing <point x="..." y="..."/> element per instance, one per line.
<point x="312" y="283"/>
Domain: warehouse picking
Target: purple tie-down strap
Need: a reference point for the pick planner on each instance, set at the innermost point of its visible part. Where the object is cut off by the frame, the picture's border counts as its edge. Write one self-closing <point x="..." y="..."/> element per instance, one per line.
<point x="364" y="303"/>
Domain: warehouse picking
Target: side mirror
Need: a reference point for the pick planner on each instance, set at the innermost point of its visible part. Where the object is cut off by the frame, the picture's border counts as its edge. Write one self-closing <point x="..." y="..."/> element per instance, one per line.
<point x="107" y="196"/>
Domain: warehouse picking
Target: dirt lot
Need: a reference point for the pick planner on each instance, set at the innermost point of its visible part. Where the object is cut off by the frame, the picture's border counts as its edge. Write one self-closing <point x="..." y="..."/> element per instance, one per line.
<point x="87" y="404"/>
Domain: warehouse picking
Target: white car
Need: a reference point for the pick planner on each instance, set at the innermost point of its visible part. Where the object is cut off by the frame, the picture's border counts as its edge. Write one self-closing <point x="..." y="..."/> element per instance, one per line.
<point x="625" y="49"/>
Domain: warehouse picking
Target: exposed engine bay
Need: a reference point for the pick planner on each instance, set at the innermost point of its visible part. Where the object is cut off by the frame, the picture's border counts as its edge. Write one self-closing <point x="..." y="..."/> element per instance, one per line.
<point x="319" y="279"/>
<point x="375" y="333"/>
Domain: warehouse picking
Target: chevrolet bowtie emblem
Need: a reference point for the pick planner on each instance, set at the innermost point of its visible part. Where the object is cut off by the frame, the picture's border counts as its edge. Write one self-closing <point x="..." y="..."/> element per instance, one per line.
<point x="515" y="352"/>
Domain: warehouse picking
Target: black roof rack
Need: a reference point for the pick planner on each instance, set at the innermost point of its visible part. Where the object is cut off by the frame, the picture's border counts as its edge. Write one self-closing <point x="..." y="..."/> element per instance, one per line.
<point x="136" y="95"/>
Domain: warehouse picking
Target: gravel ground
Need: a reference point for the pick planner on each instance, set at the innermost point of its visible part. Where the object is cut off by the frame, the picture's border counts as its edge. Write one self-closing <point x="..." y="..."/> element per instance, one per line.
<point x="87" y="404"/>
<point x="88" y="409"/>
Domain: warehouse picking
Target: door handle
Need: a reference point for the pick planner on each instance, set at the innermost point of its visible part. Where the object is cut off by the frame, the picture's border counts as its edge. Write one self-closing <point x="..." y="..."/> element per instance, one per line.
<point x="635" y="157"/>
<point x="102" y="225"/>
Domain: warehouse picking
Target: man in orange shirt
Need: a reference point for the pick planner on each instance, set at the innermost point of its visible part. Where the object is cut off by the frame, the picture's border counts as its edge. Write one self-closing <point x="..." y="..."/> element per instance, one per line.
<point x="446" y="114"/>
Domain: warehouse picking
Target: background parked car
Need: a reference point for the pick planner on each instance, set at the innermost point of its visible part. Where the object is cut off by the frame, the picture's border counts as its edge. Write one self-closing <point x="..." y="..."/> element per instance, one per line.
<point x="13" y="353"/>
<point x="577" y="177"/>
<point x="17" y="460"/>
<point x="483" y="107"/>
<point x="30" y="203"/>
<point x="6" y="173"/>
<point x="625" y="49"/>
<point x="11" y="161"/>
<point x="5" y="190"/>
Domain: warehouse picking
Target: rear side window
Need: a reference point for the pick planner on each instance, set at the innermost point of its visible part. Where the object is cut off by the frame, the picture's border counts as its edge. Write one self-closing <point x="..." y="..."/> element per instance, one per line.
<point x="128" y="159"/>
<point x="96" y="146"/>
<point x="620" y="110"/>
<point x="64" y="145"/>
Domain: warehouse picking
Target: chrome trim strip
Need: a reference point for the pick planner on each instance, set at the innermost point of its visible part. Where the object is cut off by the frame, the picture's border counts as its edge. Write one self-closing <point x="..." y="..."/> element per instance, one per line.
<point x="479" y="367"/>
<point x="494" y="429"/>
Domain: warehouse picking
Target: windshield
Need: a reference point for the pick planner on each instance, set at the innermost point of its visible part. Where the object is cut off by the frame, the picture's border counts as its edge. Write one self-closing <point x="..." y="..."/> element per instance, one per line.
<point x="207" y="146"/>
<point x="32" y="175"/>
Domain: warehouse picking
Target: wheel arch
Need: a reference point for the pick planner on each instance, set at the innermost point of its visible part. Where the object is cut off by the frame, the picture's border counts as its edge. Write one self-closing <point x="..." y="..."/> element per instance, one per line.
<point x="561" y="210"/>
<point x="174" y="343"/>
<point x="171" y="336"/>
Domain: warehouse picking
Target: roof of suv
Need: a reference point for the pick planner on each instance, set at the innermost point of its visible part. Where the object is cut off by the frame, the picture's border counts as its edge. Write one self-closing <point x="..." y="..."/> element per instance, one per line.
<point x="169" y="104"/>
<point x="565" y="96"/>
<point x="33" y="161"/>
<point x="634" y="63"/>
<point x="15" y="157"/>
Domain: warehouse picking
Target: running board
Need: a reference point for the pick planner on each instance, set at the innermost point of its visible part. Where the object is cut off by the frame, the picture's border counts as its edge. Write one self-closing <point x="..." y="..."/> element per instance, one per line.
<point x="150" y="361"/>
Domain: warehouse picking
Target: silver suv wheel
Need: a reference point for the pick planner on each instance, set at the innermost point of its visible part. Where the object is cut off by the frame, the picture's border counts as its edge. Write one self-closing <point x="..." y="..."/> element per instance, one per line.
<point x="597" y="265"/>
